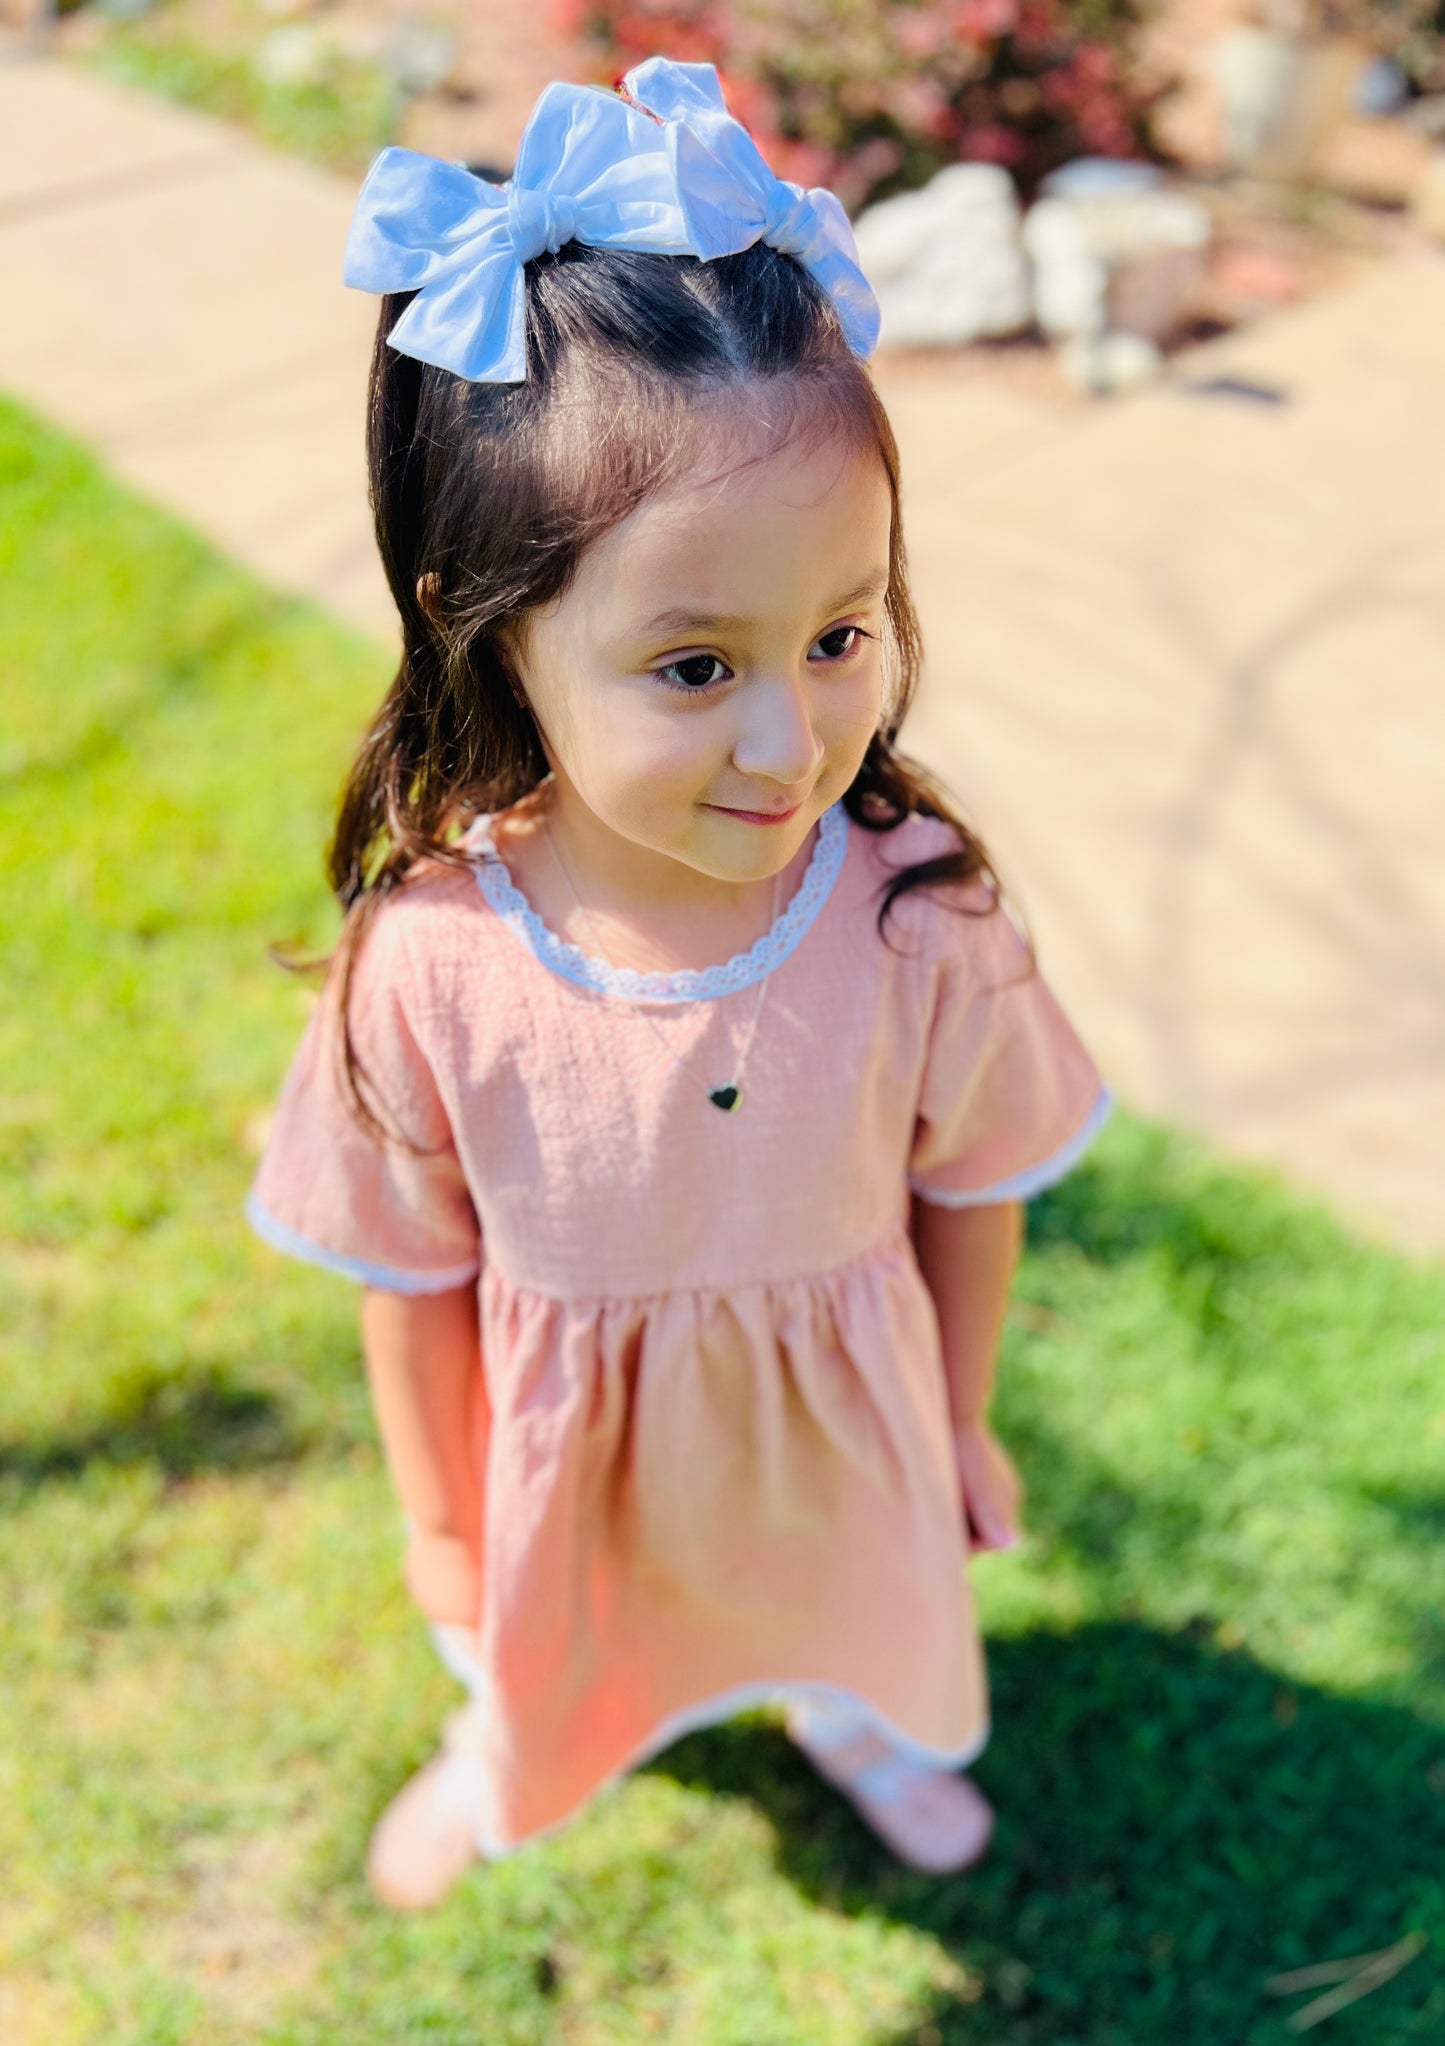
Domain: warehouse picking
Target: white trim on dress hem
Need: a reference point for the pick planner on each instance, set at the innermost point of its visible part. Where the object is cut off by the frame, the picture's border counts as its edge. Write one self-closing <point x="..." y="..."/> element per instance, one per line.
<point x="1024" y="1185"/>
<point x="689" y="984"/>
<point x="387" y="1278"/>
<point x="449" y="1643"/>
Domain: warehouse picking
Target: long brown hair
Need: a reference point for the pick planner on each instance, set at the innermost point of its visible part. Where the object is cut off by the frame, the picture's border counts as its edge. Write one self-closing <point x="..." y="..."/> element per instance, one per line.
<point x="486" y="496"/>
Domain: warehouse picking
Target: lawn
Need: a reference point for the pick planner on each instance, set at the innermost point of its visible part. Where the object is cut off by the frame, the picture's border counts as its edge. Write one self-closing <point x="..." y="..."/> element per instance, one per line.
<point x="1218" y="1662"/>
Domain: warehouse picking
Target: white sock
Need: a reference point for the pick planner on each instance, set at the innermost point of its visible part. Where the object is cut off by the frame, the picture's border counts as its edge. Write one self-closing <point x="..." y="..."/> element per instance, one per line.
<point x="830" y="1719"/>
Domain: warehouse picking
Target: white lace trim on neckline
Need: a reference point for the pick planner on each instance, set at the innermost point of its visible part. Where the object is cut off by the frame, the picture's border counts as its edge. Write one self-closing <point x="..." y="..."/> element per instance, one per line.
<point x="688" y="984"/>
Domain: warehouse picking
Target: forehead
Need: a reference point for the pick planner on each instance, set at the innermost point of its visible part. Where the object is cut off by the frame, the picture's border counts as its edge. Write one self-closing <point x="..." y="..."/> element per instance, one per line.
<point x="749" y="528"/>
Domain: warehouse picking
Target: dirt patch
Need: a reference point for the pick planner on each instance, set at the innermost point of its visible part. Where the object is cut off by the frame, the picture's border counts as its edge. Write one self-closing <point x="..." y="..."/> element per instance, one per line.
<point x="37" y="2012"/>
<point x="240" y="1940"/>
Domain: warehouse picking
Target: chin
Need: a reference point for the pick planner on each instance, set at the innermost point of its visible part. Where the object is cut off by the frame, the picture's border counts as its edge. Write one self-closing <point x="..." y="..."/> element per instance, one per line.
<point x="754" y="851"/>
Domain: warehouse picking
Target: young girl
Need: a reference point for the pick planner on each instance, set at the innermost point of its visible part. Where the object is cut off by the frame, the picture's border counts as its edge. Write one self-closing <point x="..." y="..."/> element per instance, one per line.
<point x="680" y="1076"/>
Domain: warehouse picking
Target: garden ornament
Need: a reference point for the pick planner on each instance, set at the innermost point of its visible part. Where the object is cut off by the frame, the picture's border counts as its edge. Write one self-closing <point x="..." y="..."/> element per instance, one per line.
<point x="661" y="167"/>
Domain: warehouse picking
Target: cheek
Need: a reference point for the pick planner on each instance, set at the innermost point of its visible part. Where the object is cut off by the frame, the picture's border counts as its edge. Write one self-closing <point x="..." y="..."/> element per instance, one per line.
<point x="852" y="702"/>
<point x="636" y="750"/>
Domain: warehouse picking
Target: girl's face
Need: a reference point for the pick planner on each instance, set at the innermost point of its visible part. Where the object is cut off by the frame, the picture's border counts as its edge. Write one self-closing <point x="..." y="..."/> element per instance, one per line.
<point x="709" y="683"/>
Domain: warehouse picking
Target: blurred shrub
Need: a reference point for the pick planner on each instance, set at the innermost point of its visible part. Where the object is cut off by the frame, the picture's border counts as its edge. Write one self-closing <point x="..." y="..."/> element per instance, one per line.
<point x="338" y="110"/>
<point x="874" y="96"/>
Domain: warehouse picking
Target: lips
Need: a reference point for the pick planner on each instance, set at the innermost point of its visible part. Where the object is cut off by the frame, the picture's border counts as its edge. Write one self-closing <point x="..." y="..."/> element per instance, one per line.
<point x="757" y="816"/>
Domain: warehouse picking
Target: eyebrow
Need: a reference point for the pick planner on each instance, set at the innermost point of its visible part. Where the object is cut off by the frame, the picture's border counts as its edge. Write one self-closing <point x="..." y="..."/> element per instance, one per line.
<point x="711" y="621"/>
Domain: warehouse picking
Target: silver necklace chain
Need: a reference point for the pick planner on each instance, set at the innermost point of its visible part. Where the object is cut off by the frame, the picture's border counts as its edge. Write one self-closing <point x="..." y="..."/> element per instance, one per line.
<point x="729" y="1096"/>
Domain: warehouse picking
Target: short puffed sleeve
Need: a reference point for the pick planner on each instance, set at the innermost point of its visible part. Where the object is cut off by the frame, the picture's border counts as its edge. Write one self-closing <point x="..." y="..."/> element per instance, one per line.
<point x="390" y="1211"/>
<point x="1011" y="1097"/>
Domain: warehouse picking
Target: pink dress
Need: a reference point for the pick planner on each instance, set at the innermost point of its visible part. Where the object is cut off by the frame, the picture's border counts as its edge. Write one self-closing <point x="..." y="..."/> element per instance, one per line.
<point x="719" y="1464"/>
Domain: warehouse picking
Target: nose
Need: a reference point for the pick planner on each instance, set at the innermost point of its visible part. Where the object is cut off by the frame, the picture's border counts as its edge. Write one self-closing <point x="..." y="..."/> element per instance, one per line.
<point x="777" y="741"/>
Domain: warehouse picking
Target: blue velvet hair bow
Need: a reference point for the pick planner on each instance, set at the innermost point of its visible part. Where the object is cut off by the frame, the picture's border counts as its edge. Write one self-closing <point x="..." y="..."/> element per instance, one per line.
<point x="668" y="171"/>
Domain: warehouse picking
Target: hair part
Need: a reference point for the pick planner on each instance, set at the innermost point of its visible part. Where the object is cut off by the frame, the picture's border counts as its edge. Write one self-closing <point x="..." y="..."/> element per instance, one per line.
<point x="486" y="496"/>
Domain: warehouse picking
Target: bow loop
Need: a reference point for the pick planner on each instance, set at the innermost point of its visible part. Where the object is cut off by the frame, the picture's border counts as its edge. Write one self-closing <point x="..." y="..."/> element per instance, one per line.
<point x="668" y="171"/>
<point x="740" y="201"/>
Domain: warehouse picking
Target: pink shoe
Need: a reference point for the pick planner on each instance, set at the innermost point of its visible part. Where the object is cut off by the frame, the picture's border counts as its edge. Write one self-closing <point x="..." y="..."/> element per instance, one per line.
<point x="430" y="1833"/>
<point x="931" y="1819"/>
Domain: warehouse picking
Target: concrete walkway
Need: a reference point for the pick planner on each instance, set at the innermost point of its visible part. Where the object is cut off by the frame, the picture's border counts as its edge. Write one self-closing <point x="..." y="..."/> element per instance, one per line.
<point x="172" y="291"/>
<point x="1186" y="652"/>
<point x="1188" y="666"/>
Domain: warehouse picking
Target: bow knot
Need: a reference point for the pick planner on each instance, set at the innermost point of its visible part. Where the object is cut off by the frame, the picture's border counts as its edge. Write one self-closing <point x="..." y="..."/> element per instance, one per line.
<point x="540" y="222"/>
<point x="791" y="222"/>
<point x="667" y="170"/>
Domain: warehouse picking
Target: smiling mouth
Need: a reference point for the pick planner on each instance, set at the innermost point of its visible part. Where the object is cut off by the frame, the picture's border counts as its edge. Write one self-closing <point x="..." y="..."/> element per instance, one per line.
<point x="757" y="816"/>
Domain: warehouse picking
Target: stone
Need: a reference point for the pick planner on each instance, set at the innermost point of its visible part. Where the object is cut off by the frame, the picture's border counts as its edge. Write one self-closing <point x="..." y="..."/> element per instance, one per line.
<point x="421" y="55"/>
<point x="1133" y="262"/>
<point x="946" y="262"/>
<point x="296" y="55"/>
<point x="1101" y="177"/>
<point x="1107" y="365"/>
<point x="1151" y="296"/>
<point x="1282" y="96"/>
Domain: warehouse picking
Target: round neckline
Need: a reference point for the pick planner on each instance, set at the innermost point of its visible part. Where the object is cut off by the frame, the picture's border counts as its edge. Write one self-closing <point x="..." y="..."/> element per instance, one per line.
<point x="686" y="984"/>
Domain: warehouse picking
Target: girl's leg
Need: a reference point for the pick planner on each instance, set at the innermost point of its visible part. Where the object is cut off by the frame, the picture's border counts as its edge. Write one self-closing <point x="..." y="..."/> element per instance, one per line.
<point x="933" y="1819"/>
<point x="436" y="1825"/>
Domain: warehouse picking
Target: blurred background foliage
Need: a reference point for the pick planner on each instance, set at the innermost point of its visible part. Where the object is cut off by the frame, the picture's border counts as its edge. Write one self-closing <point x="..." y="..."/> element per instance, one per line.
<point x="339" y="114"/>
<point x="872" y="97"/>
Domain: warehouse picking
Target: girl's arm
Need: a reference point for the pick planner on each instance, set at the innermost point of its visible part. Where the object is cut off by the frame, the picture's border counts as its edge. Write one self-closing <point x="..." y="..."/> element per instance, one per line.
<point x="968" y="1257"/>
<point x="423" y="1363"/>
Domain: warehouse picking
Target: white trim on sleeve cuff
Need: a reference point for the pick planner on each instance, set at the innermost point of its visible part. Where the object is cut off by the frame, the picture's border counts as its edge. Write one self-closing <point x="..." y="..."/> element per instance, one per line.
<point x="1024" y="1185"/>
<point x="388" y="1278"/>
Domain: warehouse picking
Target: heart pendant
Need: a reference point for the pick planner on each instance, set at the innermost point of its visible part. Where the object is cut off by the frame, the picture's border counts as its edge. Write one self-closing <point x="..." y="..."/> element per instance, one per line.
<point x="725" y="1097"/>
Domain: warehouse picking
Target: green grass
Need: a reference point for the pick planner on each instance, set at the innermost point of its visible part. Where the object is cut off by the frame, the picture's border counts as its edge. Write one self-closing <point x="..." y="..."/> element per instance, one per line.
<point x="1216" y="1665"/>
<point x="340" y="118"/>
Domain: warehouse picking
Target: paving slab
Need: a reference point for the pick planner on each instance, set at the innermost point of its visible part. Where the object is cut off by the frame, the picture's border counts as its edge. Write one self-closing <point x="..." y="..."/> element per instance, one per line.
<point x="67" y="139"/>
<point x="1187" y="664"/>
<point x="183" y="309"/>
<point x="1184" y="650"/>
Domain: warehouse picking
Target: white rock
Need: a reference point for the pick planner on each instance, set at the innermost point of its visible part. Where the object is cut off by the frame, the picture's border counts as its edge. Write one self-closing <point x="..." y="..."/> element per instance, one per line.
<point x="1108" y="364"/>
<point x="1101" y="177"/>
<point x="295" y="55"/>
<point x="1071" y="280"/>
<point x="946" y="263"/>
<point x="1282" y="95"/>
<point x="1130" y="262"/>
<point x="421" y="55"/>
<point x="1256" y="71"/>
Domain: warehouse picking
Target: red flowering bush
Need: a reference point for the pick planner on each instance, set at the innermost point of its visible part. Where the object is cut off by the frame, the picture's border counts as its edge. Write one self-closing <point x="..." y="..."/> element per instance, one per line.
<point x="873" y="96"/>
